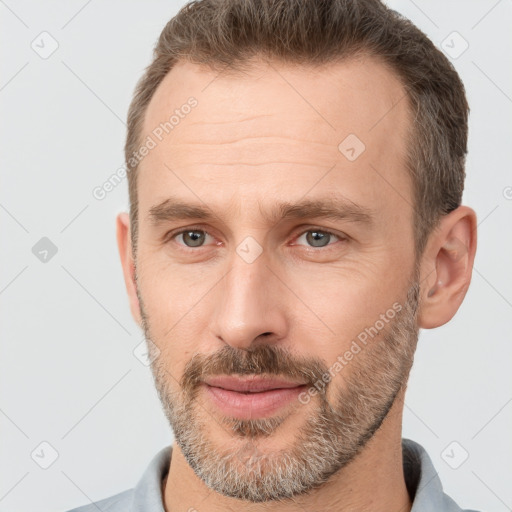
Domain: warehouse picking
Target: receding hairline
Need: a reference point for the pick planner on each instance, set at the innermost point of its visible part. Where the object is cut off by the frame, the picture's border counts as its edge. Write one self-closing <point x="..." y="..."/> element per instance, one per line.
<point x="244" y="68"/>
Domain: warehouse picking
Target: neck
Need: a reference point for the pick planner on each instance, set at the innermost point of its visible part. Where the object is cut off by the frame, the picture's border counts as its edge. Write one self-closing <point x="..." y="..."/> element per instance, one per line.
<point x="374" y="480"/>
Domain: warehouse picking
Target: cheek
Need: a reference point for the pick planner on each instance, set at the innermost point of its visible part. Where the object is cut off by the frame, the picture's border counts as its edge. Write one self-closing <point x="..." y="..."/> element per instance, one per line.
<point x="176" y="304"/>
<point x="171" y="292"/>
<point x="337" y="304"/>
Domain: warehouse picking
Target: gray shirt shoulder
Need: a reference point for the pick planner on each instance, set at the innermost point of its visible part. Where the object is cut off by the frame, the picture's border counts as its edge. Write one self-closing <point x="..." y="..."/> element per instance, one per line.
<point x="121" y="501"/>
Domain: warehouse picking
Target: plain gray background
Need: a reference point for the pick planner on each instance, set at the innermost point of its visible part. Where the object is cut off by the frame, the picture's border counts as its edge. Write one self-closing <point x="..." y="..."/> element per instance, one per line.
<point x="68" y="373"/>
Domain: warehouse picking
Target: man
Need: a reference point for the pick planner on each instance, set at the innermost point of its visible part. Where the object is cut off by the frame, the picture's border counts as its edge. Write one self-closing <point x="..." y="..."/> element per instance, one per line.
<point x="295" y="176"/>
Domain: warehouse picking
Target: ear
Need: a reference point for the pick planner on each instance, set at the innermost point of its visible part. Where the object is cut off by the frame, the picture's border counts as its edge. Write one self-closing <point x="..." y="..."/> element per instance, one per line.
<point x="446" y="267"/>
<point x="124" y="245"/>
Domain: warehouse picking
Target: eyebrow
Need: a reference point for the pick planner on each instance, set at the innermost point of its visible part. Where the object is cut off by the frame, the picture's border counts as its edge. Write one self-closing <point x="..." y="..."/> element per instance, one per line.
<point x="338" y="208"/>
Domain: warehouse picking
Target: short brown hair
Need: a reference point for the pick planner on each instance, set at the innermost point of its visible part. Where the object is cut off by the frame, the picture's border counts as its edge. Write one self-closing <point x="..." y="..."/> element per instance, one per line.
<point x="227" y="33"/>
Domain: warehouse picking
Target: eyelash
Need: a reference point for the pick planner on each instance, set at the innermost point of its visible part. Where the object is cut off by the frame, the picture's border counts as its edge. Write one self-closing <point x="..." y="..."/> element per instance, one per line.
<point x="172" y="235"/>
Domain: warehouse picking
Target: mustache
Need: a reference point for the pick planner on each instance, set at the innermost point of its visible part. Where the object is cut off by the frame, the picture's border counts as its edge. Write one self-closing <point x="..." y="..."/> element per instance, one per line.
<point x="260" y="360"/>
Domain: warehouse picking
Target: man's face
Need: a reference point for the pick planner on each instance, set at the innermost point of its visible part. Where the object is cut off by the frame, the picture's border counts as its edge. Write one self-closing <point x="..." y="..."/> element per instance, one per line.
<point x="322" y="304"/>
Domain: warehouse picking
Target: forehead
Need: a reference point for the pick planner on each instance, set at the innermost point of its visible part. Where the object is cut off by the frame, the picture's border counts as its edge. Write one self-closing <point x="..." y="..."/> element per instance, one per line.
<point x="277" y="129"/>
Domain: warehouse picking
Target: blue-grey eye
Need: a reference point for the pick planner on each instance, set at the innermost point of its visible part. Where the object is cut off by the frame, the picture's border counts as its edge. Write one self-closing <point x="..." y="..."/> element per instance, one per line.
<point x="193" y="237"/>
<point x="317" y="238"/>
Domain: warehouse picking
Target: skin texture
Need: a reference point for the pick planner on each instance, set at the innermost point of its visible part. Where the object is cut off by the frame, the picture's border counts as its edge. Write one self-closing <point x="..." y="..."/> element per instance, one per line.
<point x="254" y="141"/>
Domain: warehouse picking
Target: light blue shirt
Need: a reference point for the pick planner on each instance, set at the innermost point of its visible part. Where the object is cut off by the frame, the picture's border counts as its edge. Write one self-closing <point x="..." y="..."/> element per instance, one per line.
<point x="420" y="476"/>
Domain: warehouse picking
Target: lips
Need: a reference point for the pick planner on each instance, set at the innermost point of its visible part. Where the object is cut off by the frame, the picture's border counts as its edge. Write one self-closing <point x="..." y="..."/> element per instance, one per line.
<point x="250" y="384"/>
<point x="251" y="397"/>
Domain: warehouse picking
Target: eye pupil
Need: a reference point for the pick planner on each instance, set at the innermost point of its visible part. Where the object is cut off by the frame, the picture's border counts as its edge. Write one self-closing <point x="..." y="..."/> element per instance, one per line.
<point x="315" y="241"/>
<point x="197" y="238"/>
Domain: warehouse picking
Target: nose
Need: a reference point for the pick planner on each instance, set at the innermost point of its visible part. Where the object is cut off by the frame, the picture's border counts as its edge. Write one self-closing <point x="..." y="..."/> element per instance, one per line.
<point x="250" y="305"/>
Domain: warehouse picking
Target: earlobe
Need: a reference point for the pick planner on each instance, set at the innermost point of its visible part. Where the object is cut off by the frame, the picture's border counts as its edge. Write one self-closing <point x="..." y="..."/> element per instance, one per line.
<point x="447" y="267"/>
<point x="124" y="245"/>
